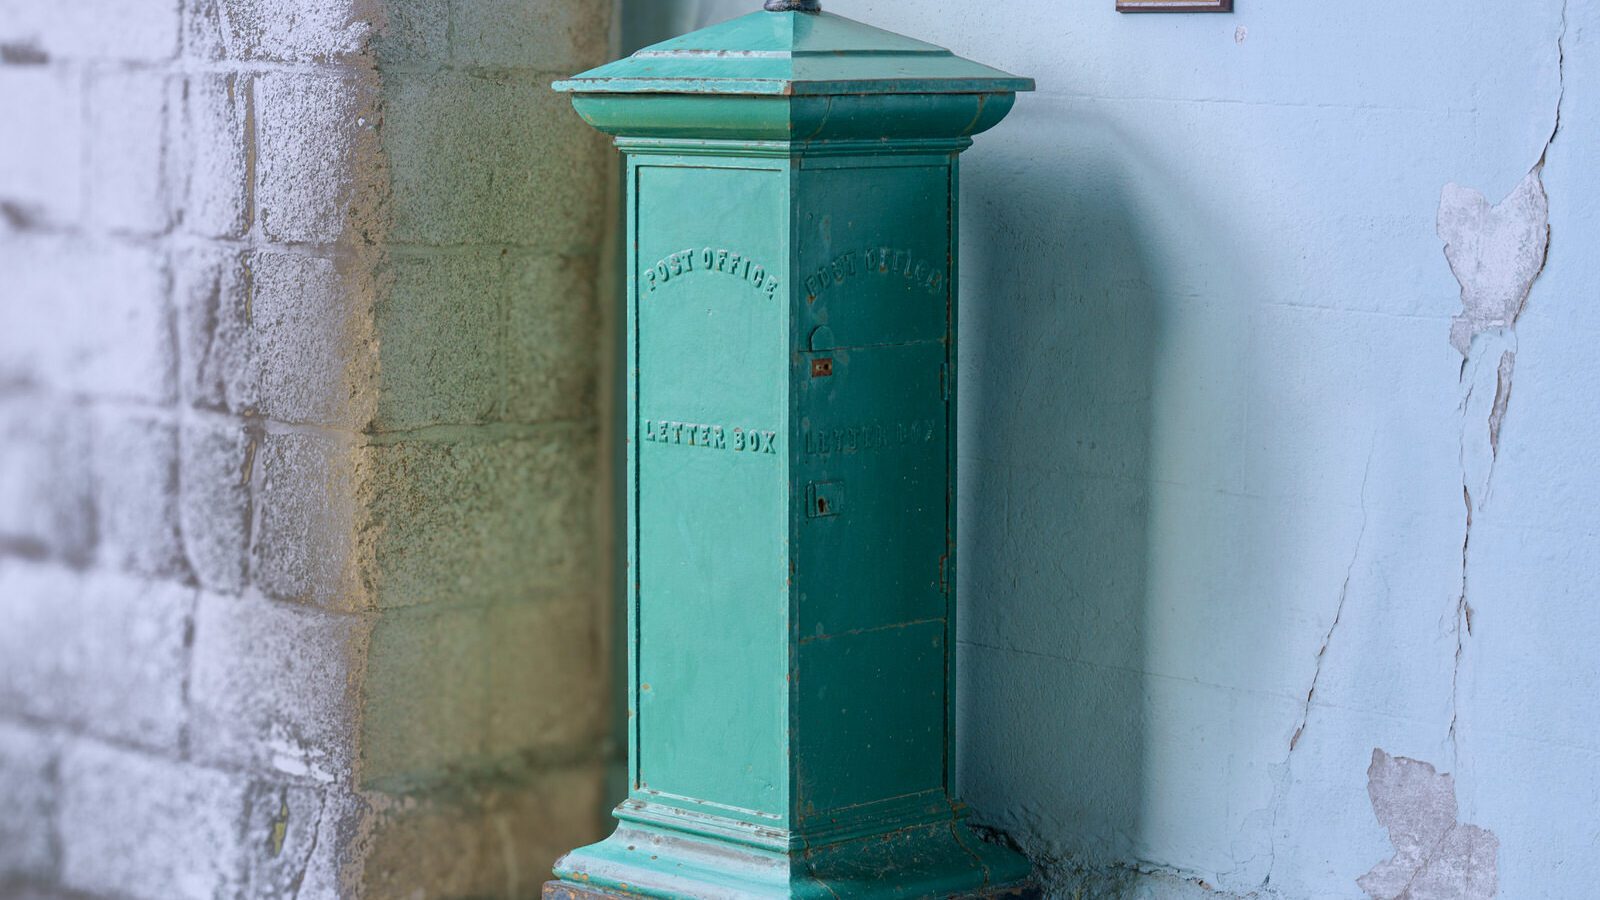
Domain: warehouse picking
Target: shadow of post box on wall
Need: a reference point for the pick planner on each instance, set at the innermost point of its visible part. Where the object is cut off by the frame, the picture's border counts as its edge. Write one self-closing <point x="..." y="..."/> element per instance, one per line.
<point x="790" y="453"/>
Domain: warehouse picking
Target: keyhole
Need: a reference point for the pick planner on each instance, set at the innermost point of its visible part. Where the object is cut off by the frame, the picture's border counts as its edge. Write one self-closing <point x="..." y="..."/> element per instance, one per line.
<point x="822" y="505"/>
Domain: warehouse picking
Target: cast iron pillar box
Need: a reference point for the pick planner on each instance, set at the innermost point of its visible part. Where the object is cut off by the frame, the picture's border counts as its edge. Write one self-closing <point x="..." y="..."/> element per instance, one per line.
<point x="791" y="462"/>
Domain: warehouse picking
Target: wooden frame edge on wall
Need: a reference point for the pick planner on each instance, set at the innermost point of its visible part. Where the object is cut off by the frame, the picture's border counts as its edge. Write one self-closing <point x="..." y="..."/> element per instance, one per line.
<point x="1161" y="6"/>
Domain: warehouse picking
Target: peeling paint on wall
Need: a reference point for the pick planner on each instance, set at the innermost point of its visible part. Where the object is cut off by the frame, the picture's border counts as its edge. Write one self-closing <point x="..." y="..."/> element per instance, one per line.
<point x="1496" y="252"/>
<point x="1436" y="857"/>
<point x="1502" y="397"/>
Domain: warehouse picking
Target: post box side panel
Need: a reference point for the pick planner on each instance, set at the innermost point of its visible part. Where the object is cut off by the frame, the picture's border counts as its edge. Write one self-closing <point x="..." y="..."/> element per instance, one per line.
<point x="872" y="468"/>
<point x="709" y="450"/>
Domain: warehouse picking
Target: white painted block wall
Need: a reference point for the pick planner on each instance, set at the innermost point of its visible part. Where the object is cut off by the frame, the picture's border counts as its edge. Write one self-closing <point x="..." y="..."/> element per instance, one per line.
<point x="300" y="553"/>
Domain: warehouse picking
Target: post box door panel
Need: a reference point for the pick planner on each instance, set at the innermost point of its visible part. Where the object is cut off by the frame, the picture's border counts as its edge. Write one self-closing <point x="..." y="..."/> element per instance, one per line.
<point x="873" y="474"/>
<point x="710" y="448"/>
<point x="871" y="273"/>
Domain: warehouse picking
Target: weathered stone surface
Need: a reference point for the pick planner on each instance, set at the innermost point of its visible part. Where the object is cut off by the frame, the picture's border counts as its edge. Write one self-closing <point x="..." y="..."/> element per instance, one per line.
<point x="426" y="695"/>
<point x="215" y="465"/>
<point x="305" y="526"/>
<point x="280" y="837"/>
<point x="318" y="163"/>
<point x="215" y="180"/>
<point x="333" y="869"/>
<point x="274" y="686"/>
<point x="136" y="826"/>
<point x="495" y="159"/>
<point x="136" y="494"/>
<point x="128" y="136"/>
<point x="478" y="523"/>
<point x="103" y="653"/>
<point x="552" y="36"/>
<point x="553" y="344"/>
<point x="438" y="330"/>
<point x="40" y="181"/>
<point x="46" y="505"/>
<point x="546" y="668"/>
<point x="27" y="803"/>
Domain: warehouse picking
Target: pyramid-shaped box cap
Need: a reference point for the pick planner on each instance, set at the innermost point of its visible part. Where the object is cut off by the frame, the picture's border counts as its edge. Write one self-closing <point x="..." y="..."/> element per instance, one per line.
<point x="794" y="56"/>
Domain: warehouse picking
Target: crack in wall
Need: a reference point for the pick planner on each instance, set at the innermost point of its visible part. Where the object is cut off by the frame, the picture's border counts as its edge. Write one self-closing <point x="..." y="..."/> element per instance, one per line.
<point x="1496" y="253"/>
<point x="1338" y="611"/>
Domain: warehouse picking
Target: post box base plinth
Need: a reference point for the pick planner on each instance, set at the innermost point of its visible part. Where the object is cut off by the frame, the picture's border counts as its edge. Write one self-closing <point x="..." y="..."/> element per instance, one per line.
<point x="561" y="890"/>
<point x="942" y="861"/>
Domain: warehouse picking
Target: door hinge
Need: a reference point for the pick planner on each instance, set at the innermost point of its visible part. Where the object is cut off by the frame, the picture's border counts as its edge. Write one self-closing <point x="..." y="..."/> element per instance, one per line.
<point x="944" y="381"/>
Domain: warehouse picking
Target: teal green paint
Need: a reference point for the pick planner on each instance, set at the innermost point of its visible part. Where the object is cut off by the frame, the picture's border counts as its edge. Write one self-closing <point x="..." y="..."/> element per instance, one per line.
<point x="794" y="54"/>
<point x="791" y="183"/>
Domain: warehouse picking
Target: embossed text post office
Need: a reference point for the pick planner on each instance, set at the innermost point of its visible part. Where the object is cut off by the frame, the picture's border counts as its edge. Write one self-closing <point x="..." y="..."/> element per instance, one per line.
<point x="791" y="462"/>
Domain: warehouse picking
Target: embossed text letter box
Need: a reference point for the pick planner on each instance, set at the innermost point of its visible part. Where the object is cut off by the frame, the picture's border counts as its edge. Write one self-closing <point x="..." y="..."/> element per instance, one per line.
<point x="790" y="536"/>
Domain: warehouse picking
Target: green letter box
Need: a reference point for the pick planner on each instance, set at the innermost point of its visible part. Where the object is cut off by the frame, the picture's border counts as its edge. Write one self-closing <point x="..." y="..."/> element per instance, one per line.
<point x="790" y="451"/>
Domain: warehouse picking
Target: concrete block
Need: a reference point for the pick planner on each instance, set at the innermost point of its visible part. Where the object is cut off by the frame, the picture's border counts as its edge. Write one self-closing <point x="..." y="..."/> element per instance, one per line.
<point x="127" y="150"/>
<point x="215" y="463"/>
<point x="41" y="178"/>
<point x="547" y="815"/>
<point x="305" y="32"/>
<point x="553" y="343"/>
<point x="46" y="497"/>
<point x="126" y="30"/>
<point x="136" y="494"/>
<point x="211" y="288"/>
<point x="284" y="335"/>
<point x="501" y="842"/>
<point x="153" y="829"/>
<point x="547" y="676"/>
<point x="319" y="166"/>
<point x="438" y="331"/>
<point x="493" y="160"/>
<point x="273" y="687"/>
<point x="307" y="355"/>
<point x="439" y="844"/>
<point x="414" y="32"/>
<point x="305" y="527"/>
<point x="27" y="803"/>
<point x="123" y="343"/>
<point x="217" y="171"/>
<point x="34" y="600"/>
<point x="103" y="653"/>
<point x="479" y="523"/>
<point x="554" y="36"/>
<point x="425" y="696"/>
<point x="89" y="318"/>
